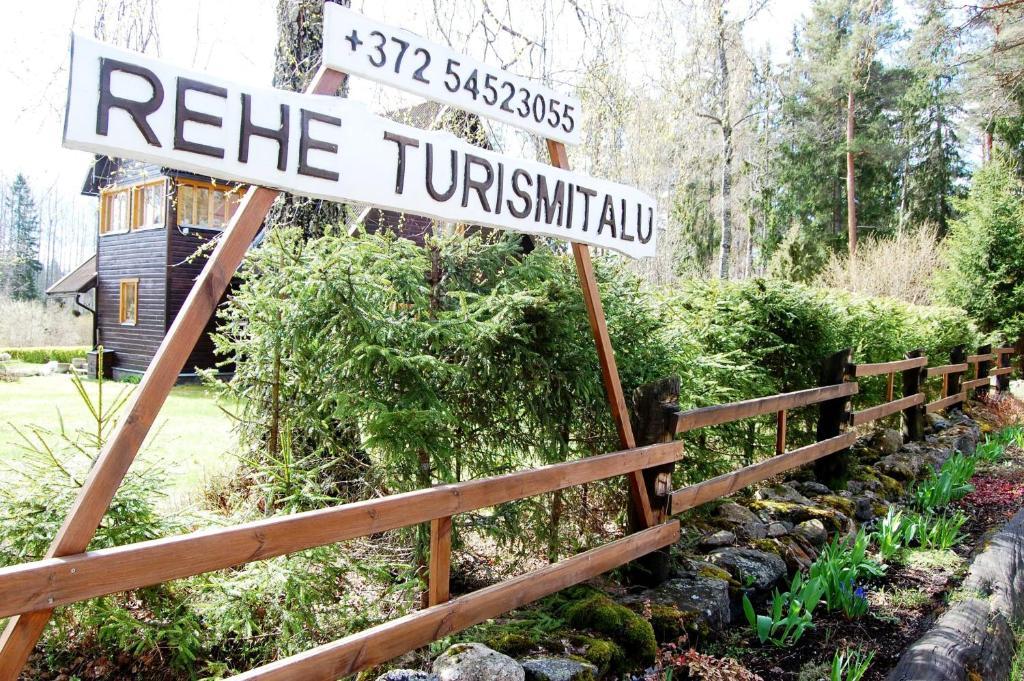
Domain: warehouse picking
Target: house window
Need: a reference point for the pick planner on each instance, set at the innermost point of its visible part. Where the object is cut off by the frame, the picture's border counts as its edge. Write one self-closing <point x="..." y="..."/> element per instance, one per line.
<point x="206" y="205"/>
<point x="139" y="206"/>
<point x="115" y="211"/>
<point x="129" y="307"/>
<point x="149" y="205"/>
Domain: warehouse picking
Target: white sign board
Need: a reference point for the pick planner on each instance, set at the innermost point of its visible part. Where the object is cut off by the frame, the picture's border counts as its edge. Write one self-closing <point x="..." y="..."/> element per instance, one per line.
<point x="399" y="58"/>
<point x="126" y="105"/>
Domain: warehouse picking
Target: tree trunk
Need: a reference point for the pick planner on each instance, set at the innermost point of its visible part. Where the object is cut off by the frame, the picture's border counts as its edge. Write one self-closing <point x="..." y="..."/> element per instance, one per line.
<point x="725" y="122"/>
<point x="725" y="252"/>
<point x="851" y="190"/>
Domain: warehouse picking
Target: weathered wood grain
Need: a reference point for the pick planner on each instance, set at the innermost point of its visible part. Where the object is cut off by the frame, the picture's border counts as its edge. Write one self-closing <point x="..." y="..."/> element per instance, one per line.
<point x="859" y="418"/>
<point x="734" y="411"/>
<point x="723" y="485"/>
<point x="863" y="370"/>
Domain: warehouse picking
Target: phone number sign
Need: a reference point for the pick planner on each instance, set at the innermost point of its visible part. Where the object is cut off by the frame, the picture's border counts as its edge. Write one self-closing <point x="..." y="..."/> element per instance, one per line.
<point x="358" y="45"/>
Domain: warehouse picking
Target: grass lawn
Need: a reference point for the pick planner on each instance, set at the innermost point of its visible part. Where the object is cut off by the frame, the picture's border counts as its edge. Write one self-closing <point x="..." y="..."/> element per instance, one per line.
<point x="191" y="438"/>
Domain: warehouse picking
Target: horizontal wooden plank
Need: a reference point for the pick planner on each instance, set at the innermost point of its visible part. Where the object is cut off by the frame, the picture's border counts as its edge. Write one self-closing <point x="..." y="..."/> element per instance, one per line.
<point x="946" y="369"/>
<point x="974" y="359"/>
<point x="1001" y="371"/>
<point x="724" y="485"/>
<point x="51" y="582"/>
<point x="384" y="642"/>
<point x="977" y="382"/>
<point x="735" y="411"/>
<point x="862" y="370"/>
<point x="859" y="418"/>
<point x="1004" y="351"/>
<point x="945" y="403"/>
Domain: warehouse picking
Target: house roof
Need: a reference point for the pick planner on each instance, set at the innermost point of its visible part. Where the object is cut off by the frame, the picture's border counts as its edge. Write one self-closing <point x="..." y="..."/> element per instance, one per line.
<point x="78" y="280"/>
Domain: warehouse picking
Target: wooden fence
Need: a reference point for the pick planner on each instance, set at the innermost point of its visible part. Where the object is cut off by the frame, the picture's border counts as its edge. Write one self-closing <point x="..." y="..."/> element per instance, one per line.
<point x="42" y="585"/>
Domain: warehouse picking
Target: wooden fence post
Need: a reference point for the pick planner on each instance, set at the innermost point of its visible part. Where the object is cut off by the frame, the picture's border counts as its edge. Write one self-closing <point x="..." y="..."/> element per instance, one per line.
<point x="955" y="379"/>
<point x="834" y="470"/>
<point x="983" y="368"/>
<point x="914" y="416"/>
<point x="653" y="409"/>
<point x="440" y="560"/>
<point x="1003" y="380"/>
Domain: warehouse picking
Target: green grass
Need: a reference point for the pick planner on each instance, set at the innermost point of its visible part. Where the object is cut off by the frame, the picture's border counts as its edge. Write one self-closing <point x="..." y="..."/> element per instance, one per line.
<point x="191" y="438"/>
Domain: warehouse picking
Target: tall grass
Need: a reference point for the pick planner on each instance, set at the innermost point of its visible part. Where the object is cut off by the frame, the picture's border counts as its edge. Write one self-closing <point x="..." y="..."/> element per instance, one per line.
<point x="901" y="266"/>
<point x="34" y="324"/>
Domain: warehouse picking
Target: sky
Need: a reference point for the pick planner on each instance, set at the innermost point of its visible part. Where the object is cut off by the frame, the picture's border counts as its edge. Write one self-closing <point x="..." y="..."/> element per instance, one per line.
<point x="229" y="38"/>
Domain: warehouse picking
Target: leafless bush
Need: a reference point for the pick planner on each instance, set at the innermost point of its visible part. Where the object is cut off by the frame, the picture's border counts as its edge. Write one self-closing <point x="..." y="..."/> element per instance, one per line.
<point x="27" y="324"/>
<point x="900" y="267"/>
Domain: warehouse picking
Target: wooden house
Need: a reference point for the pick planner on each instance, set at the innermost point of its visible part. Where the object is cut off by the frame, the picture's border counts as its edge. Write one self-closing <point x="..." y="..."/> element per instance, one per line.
<point x="154" y="224"/>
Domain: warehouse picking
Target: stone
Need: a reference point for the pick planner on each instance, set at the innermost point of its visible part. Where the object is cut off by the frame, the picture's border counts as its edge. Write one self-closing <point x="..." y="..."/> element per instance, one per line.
<point x="558" y="669"/>
<point x="734" y="513"/>
<point x="705" y="596"/>
<point x="406" y="675"/>
<point x="797" y="553"/>
<point x="781" y="493"/>
<point x="717" y="540"/>
<point x="815" y="488"/>
<point x="864" y="510"/>
<point x="750" y="567"/>
<point x="936" y="423"/>
<point x="753" y="530"/>
<point x="888" y="441"/>
<point x="5" y="357"/>
<point x="813" y="531"/>
<point x="777" y="529"/>
<point x="476" y="662"/>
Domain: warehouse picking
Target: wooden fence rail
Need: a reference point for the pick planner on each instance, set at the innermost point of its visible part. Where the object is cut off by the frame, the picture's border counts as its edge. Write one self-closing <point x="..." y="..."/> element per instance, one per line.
<point x="50" y="582"/>
<point x="39" y="586"/>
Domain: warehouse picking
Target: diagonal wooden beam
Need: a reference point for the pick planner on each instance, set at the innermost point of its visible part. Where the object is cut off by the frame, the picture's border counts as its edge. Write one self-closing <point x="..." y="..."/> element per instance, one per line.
<point x="643" y="514"/>
<point x="22" y="632"/>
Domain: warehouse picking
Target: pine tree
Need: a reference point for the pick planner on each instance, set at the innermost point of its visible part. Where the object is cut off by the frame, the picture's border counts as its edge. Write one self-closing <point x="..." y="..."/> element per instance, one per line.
<point x="834" y="56"/>
<point x="23" y="267"/>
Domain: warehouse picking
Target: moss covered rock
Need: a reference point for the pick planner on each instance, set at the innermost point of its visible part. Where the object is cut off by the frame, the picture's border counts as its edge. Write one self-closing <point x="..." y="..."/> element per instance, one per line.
<point x="596" y="612"/>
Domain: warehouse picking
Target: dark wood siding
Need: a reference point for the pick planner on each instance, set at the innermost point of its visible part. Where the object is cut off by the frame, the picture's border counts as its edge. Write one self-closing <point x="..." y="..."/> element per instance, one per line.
<point x="141" y="255"/>
<point x="182" y="271"/>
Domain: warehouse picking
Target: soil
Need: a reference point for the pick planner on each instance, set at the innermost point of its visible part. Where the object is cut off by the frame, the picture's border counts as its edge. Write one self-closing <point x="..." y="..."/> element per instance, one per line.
<point x="892" y="624"/>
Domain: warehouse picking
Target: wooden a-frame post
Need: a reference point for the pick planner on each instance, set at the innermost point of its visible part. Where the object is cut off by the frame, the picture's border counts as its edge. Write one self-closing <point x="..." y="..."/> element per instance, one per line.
<point x="23" y="631"/>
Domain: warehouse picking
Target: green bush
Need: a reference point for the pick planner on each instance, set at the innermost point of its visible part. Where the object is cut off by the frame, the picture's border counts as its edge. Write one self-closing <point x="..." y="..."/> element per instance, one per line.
<point x="985" y="253"/>
<point x="43" y="355"/>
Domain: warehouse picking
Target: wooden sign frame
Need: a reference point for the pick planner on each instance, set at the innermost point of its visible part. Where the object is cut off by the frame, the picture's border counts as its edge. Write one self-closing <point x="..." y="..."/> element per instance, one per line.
<point x="23" y="631"/>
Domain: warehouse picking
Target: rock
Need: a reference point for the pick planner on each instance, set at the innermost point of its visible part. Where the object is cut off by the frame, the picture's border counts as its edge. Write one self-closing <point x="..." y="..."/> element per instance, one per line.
<point x="704" y="595"/>
<point x="734" y="513"/>
<point x="751" y="567"/>
<point x="864" y="510"/>
<point x="936" y="423"/>
<point x="406" y="675"/>
<point x="888" y="441"/>
<point x="5" y="357"/>
<point x="813" y="531"/>
<point x="781" y="493"/>
<point x="558" y="669"/>
<point x="797" y="553"/>
<point x="717" y="540"/>
<point x="815" y="488"/>
<point x="900" y="467"/>
<point x="476" y="662"/>
<point x="777" y="530"/>
<point x="753" y="530"/>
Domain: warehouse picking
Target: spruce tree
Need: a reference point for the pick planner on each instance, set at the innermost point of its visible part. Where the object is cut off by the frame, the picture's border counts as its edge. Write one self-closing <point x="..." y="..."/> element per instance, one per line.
<point x="932" y="166"/>
<point x="23" y="268"/>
